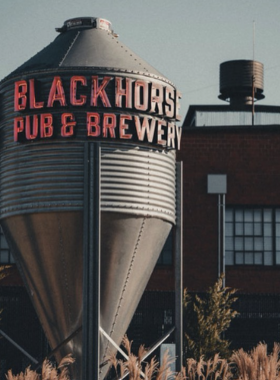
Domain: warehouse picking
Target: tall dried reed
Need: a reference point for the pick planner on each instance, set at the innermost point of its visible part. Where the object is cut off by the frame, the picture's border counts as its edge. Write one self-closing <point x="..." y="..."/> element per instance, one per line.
<point x="255" y="365"/>
<point x="49" y="371"/>
<point x="212" y="369"/>
<point x="258" y="364"/>
<point x="135" y="368"/>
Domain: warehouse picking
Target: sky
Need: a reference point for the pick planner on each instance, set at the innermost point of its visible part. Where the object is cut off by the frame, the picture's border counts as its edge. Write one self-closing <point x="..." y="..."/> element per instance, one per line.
<point x="186" y="40"/>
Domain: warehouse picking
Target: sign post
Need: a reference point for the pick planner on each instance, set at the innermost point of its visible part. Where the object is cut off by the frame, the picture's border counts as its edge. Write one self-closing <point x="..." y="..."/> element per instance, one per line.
<point x="91" y="262"/>
<point x="217" y="184"/>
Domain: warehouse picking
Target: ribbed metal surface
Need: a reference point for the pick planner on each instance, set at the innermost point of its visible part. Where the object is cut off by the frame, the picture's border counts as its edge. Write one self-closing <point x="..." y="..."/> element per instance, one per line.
<point x="215" y="119"/>
<point x="57" y="185"/>
<point x="236" y="79"/>
<point x="133" y="180"/>
<point x="138" y="181"/>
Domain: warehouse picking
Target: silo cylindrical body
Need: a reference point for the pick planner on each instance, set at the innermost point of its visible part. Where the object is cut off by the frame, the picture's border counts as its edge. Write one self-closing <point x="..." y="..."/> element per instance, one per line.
<point x="86" y="86"/>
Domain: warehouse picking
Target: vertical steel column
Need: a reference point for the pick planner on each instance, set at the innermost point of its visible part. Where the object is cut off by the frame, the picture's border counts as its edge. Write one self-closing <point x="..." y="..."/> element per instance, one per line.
<point x="223" y="237"/>
<point x="219" y="235"/>
<point x="179" y="267"/>
<point x="91" y="263"/>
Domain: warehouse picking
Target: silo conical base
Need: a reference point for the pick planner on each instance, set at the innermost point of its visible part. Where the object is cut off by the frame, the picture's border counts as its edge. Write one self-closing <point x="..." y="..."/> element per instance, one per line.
<point x="130" y="247"/>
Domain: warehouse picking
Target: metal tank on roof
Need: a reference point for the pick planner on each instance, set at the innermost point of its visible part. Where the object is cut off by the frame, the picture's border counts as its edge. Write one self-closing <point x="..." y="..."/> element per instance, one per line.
<point x="86" y="86"/>
<point x="241" y="81"/>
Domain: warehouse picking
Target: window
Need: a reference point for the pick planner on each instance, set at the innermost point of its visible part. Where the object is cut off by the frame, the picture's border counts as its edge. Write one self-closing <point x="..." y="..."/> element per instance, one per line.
<point x="166" y="256"/>
<point x="252" y="236"/>
<point x="5" y="253"/>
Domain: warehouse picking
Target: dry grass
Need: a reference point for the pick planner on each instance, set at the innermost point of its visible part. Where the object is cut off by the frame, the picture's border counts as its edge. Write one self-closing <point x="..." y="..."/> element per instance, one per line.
<point x="258" y="364"/>
<point x="255" y="365"/>
<point x="132" y="367"/>
<point x="49" y="371"/>
<point x="212" y="369"/>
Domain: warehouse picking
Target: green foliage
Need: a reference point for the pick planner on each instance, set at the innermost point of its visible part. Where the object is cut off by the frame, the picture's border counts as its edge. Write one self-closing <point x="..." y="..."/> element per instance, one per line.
<point x="206" y="319"/>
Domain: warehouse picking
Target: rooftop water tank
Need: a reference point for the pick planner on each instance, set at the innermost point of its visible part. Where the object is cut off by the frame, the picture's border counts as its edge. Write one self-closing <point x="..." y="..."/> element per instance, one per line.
<point x="241" y="81"/>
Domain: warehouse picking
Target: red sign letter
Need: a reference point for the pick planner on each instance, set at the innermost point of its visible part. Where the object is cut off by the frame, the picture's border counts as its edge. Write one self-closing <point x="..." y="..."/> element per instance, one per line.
<point x="73" y="91"/>
<point x="141" y="95"/>
<point x="46" y="125"/>
<point x="28" y="134"/>
<point x="20" y="98"/>
<point x="160" y="132"/>
<point x="18" y="127"/>
<point x="109" y="122"/>
<point x="67" y="127"/>
<point x="124" y="126"/>
<point x="93" y="120"/>
<point x="157" y="98"/>
<point x="97" y="91"/>
<point x="169" y="99"/>
<point x="56" y="93"/>
<point x="32" y="100"/>
<point x="123" y="92"/>
<point x="147" y="127"/>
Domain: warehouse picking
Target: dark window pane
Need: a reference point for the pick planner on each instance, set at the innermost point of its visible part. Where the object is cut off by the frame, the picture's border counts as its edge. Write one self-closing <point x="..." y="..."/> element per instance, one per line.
<point x="229" y="215"/>
<point x="268" y="244"/>
<point x="239" y="215"/>
<point x="248" y="229"/>
<point x="248" y="216"/>
<point x="277" y="215"/>
<point x="258" y="258"/>
<point x="249" y="244"/>
<point x="257" y="229"/>
<point x="229" y="243"/>
<point x="268" y="258"/>
<point x="267" y="215"/>
<point x="249" y="258"/>
<point x="277" y="229"/>
<point x="257" y="215"/>
<point x="258" y="244"/>
<point x="239" y="229"/>
<point x="229" y="258"/>
<point x="239" y="258"/>
<point x="239" y="244"/>
<point x="267" y="229"/>
<point x="229" y="229"/>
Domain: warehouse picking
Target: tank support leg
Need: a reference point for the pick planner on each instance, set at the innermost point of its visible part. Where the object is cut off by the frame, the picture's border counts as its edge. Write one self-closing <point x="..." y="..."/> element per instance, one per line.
<point x="91" y="263"/>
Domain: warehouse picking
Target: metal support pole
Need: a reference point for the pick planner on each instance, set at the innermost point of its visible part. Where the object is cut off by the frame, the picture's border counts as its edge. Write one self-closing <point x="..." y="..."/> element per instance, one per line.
<point x="223" y="237"/>
<point x="179" y="268"/>
<point x="219" y="235"/>
<point x="18" y="347"/>
<point x="91" y="263"/>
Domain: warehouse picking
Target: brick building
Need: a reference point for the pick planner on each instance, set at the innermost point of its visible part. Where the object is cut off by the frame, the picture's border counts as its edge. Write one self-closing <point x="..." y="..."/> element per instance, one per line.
<point x="239" y="141"/>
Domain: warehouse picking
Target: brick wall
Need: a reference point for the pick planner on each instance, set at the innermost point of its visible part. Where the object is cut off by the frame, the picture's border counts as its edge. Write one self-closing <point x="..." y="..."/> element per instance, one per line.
<point x="250" y="157"/>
